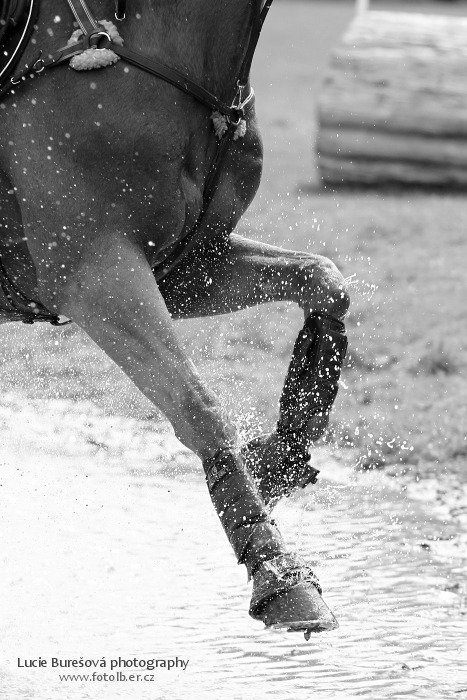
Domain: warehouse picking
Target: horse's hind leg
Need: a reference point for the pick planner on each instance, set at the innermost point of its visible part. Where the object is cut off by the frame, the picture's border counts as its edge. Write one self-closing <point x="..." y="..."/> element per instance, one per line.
<point x="234" y="273"/>
<point x="113" y="296"/>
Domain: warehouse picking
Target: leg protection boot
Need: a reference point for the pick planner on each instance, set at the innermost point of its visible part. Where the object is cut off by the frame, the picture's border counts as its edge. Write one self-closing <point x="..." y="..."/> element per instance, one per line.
<point x="285" y="591"/>
<point x="278" y="466"/>
<point x="312" y="379"/>
<point x="252" y="534"/>
<point x="279" y="462"/>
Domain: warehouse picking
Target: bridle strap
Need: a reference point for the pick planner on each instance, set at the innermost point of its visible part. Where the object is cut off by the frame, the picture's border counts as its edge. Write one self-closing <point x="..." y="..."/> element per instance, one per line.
<point x="182" y="82"/>
<point x="176" y="78"/>
<point x="256" y="27"/>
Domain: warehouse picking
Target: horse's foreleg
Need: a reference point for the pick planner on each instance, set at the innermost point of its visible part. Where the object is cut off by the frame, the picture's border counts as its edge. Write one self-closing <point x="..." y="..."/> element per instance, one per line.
<point x="235" y="273"/>
<point x="115" y="299"/>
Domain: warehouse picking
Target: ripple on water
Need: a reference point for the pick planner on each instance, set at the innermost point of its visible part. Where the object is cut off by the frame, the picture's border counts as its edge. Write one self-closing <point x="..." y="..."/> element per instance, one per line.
<point x="105" y="562"/>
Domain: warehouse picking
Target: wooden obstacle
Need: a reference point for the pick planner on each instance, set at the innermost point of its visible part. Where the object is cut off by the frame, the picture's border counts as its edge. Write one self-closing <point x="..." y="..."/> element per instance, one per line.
<point x="393" y="106"/>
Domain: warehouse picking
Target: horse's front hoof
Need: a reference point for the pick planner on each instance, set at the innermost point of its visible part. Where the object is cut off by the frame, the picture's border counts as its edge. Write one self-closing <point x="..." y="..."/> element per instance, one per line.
<point x="287" y="595"/>
<point x="299" y="609"/>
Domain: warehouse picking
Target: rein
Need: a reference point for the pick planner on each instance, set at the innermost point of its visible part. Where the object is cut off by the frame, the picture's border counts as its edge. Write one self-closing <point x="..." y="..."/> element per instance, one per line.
<point x="95" y="36"/>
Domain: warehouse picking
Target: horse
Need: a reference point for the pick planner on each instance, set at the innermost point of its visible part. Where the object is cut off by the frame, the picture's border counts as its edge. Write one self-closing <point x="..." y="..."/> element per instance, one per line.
<point x="130" y="150"/>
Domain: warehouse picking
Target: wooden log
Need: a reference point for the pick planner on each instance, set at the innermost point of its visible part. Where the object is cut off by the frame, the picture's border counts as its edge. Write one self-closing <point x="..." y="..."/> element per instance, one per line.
<point x="391" y="146"/>
<point x="396" y="92"/>
<point x="360" y="171"/>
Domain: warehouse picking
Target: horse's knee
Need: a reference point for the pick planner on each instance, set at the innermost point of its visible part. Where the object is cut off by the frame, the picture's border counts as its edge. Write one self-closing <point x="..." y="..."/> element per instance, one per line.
<point x="338" y="300"/>
<point x="322" y="287"/>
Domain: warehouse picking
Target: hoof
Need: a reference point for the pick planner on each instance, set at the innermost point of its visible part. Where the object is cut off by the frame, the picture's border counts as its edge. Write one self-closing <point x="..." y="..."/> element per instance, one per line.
<point x="287" y="595"/>
<point x="301" y="609"/>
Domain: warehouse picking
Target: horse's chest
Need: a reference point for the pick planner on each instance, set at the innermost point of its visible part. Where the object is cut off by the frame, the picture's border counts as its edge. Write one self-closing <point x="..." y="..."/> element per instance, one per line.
<point x="238" y="180"/>
<point x="182" y="190"/>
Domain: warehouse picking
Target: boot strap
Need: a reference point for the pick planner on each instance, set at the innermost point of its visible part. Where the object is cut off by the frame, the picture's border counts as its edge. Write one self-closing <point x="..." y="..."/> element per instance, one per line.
<point x="279" y="575"/>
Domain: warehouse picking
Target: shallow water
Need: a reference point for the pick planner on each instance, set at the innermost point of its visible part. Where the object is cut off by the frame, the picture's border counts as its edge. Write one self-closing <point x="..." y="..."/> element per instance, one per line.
<point x="104" y="558"/>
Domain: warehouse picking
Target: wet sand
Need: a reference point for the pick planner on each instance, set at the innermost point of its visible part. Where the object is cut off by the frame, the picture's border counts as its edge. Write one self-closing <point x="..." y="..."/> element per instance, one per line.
<point x="108" y="555"/>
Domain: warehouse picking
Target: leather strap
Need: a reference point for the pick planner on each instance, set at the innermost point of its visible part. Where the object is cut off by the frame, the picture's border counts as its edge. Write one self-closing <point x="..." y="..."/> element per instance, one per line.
<point x="83" y="16"/>
<point x="58" y="57"/>
<point x="257" y="25"/>
<point x="277" y="576"/>
<point x="174" y="77"/>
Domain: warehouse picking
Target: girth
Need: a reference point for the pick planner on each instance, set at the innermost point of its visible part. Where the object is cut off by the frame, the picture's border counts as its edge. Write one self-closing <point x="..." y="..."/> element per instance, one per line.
<point x="94" y="35"/>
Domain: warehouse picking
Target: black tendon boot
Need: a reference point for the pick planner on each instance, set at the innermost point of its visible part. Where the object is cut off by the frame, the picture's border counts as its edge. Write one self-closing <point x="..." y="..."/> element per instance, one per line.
<point x="286" y="593"/>
<point x="279" y="462"/>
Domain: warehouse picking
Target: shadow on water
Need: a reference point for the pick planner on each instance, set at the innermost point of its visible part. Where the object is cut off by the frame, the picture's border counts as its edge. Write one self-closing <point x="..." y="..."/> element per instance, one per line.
<point x="100" y="561"/>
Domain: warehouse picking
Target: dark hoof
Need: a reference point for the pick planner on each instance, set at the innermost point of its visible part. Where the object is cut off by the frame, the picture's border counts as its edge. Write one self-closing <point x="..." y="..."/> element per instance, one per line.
<point x="301" y="609"/>
<point x="286" y="594"/>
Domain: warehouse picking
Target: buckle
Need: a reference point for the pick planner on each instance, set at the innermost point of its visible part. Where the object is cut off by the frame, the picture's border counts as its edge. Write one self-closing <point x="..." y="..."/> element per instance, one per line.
<point x="236" y="115"/>
<point x="237" y="106"/>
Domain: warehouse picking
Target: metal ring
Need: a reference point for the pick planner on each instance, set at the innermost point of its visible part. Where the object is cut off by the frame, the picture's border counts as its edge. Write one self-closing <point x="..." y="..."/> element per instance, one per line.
<point x="240" y="114"/>
<point x="247" y="99"/>
<point x="100" y="33"/>
<point x="120" y="19"/>
<point x="14" y="81"/>
<point x="35" y="64"/>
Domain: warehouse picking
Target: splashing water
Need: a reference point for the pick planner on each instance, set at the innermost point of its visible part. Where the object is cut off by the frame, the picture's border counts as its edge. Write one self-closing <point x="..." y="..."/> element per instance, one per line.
<point x="103" y="556"/>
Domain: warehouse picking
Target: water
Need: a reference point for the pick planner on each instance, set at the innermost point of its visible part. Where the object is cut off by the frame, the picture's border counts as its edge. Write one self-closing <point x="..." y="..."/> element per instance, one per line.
<point x="102" y="557"/>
